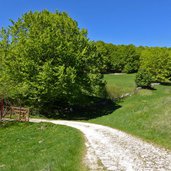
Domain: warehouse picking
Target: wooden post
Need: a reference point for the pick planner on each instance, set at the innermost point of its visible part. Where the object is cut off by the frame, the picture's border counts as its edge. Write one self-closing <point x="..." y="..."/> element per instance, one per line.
<point x="20" y="114"/>
<point x="10" y="112"/>
<point x="1" y="109"/>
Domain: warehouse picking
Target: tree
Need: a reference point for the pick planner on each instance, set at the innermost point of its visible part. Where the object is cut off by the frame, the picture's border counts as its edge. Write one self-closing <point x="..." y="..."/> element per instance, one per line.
<point x="131" y="59"/>
<point x="6" y="85"/>
<point x="104" y="51"/>
<point x="157" y="61"/>
<point x="118" y="58"/>
<point x="143" y="79"/>
<point x="125" y="58"/>
<point x="50" y="59"/>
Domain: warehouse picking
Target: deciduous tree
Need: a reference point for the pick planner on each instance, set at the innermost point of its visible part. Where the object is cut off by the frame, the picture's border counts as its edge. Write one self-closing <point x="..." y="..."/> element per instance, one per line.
<point x="50" y="59"/>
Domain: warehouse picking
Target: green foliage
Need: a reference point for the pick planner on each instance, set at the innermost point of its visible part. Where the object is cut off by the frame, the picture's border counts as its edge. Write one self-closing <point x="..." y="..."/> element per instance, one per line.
<point x="131" y="59"/>
<point x="128" y="59"/>
<point x="157" y="61"/>
<point x="40" y="146"/>
<point x="143" y="79"/>
<point x="118" y="58"/>
<point x="5" y="83"/>
<point x="50" y="59"/>
<point x="104" y="51"/>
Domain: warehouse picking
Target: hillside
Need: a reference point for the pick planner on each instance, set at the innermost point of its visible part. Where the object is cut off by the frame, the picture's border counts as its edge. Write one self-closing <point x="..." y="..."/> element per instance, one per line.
<point x="146" y="114"/>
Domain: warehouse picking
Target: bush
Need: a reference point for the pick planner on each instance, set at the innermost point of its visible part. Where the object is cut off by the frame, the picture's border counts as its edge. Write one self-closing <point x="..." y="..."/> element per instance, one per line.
<point x="143" y="79"/>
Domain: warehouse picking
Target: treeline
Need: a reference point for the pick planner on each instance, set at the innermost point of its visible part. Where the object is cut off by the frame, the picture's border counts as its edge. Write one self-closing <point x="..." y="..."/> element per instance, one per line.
<point x="152" y="64"/>
<point x="118" y="58"/>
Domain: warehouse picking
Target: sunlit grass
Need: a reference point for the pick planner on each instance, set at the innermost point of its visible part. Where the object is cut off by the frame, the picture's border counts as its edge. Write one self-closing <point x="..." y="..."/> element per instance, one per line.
<point x="118" y="85"/>
<point x="146" y="114"/>
<point x="42" y="146"/>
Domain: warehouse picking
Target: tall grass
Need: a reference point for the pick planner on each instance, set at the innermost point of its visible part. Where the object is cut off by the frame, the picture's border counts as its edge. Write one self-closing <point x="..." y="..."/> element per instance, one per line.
<point x="118" y="85"/>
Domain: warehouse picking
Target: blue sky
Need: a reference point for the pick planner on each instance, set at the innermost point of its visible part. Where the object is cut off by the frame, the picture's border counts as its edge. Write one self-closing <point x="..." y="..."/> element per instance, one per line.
<point x="139" y="22"/>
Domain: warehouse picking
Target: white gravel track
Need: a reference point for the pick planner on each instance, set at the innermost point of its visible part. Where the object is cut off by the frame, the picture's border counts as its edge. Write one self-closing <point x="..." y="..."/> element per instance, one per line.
<point x="114" y="150"/>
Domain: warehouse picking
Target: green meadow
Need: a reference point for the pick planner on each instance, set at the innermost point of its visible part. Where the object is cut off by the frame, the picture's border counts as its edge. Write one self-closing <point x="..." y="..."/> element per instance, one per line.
<point x="118" y="85"/>
<point x="40" y="146"/>
<point x="146" y="114"/>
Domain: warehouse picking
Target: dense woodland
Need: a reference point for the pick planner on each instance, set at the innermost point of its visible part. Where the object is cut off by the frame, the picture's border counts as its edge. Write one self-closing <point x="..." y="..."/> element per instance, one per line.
<point x="152" y="64"/>
<point x="47" y="61"/>
<point x="131" y="59"/>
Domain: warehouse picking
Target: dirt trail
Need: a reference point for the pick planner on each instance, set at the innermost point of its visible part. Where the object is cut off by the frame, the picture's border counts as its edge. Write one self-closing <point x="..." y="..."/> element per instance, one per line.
<point x="111" y="149"/>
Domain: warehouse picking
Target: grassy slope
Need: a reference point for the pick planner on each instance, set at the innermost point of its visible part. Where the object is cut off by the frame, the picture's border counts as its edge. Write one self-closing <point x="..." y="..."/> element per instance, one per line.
<point x="118" y="85"/>
<point x="43" y="146"/>
<point x="146" y="114"/>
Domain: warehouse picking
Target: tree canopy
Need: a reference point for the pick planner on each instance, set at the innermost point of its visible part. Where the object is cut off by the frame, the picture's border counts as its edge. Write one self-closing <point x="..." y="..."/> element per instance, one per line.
<point x="48" y="58"/>
<point x="118" y="58"/>
<point x="157" y="61"/>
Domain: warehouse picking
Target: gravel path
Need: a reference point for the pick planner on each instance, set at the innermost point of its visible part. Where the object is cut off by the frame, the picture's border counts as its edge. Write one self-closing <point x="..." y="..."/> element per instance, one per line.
<point x="111" y="149"/>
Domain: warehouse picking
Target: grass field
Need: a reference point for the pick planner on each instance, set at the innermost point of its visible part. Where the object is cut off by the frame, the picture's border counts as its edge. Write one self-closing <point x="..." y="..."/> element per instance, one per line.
<point x="43" y="146"/>
<point x="118" y="85"/>
<point x="146" y="114"/>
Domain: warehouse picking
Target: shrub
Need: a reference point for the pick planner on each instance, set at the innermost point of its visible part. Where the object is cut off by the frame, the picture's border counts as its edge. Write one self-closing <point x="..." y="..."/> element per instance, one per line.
<point x="143" y="79"/>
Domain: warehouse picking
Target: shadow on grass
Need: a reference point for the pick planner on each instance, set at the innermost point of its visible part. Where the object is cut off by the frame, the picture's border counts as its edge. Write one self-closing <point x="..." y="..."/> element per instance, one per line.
<point x="94" y="108"/>
<point x="6" y="124"/>
<point x="166" y="84"/>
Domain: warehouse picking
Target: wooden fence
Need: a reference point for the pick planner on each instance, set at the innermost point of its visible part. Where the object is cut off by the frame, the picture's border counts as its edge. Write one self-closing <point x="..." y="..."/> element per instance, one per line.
<point x="18" y="113"/>
<point x="1" y="108"/>
<point x="21" y="112"/>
